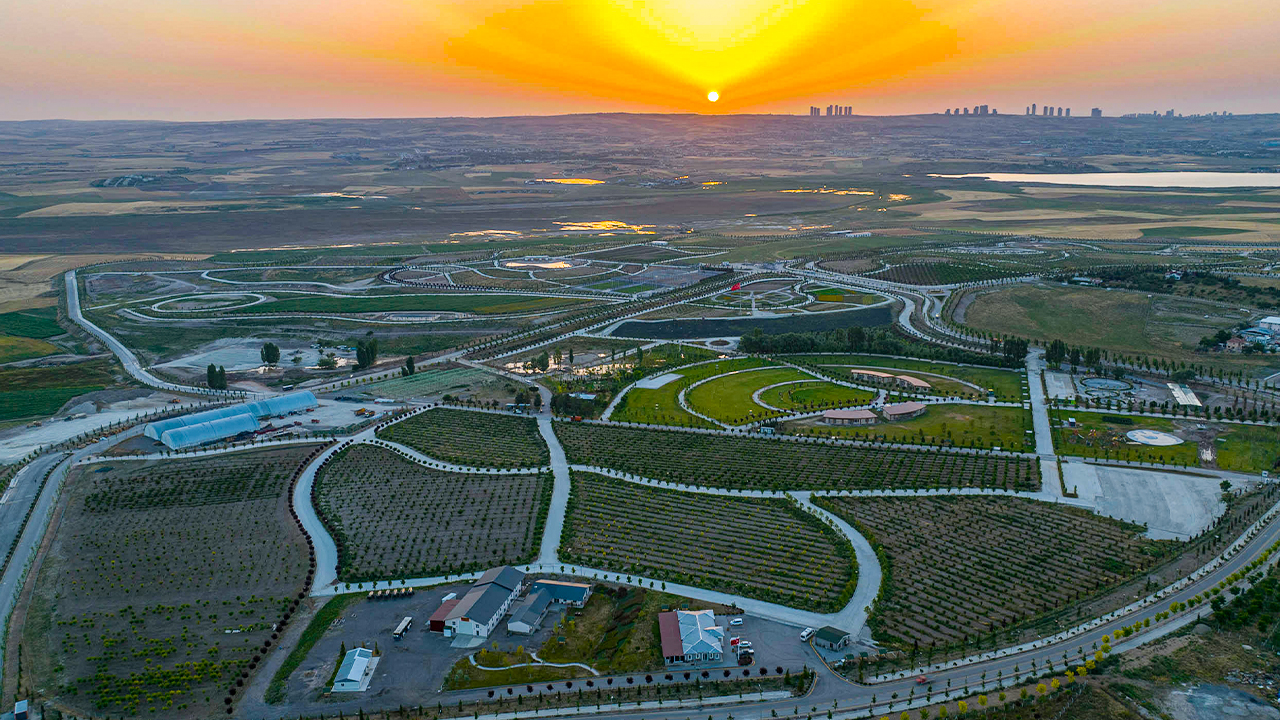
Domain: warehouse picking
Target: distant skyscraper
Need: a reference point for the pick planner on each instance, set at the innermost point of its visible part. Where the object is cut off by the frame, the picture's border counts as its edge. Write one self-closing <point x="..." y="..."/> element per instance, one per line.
<point x="1059" y="112"/>
<point x="848" y="109"/>
<point x="995" y="111"/>
<point x="1068" y="112"/>
<point x="957" y="111"/>
<point x="948" y="112"/>
<point x="982" y="110"/>
<point x="829" y="107"/>
<point x="1096" y="112"/>
<point x="966" y="111"/>
<point x="1033" y="108"/>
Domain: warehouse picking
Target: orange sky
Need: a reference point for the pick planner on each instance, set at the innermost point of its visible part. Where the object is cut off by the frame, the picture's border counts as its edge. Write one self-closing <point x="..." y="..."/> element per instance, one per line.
<point x="195" y="59"/>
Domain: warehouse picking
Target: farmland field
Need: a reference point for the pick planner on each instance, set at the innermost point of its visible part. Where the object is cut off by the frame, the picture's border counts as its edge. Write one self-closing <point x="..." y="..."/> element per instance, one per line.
<point x="659" y="406"/>
<point x="815" y="322"/>
<point x="13" y="349"/>
<point x="39" y="323"/>
<point x="39" y="392"/>
<point x="428" y="382"/>
<point x="964" y="567"/>
<point x="953" y="425"/>
<point x="697" y="539"/>
<point x="163" y="582"/>
<point x="483" y="304"/>
<point x="940" y="273"/>
<point x="815" y="395"/>
<point x="1007" y="384"/>
<point x="463" y="437"/>
<point x="728" y="398"/>
<point x="393" y="518"/>
<point x="762" y="464"/>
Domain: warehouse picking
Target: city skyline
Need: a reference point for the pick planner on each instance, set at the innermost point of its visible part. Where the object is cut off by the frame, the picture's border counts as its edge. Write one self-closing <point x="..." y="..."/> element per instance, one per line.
<point x="181" y="60"/>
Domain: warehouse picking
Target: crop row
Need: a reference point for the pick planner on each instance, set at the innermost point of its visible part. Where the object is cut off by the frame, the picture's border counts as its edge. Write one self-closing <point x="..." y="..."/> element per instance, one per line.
<point x="964" y="567"/>
<point x="391" y="517"/>
<point x="472" y="438"/>
<point x="709" y="541"/>
<point x="776" y="464"/>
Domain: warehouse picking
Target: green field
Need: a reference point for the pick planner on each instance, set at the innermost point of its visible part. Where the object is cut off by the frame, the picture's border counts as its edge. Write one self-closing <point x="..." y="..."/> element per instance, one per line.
<point x="980" y="426"/>
<point x="1100" y="435"/>
<point x="1248" y="448"/>
<point x="1121" y="321"/>
<point x="13" y="349"/>
<point x="728" y="398"/>
<point x="484" y="304"/>
<point x="39" y="323"/>
<point x="1187" y="231"/>
<point x="39" y="392"/>
<point x="1006" y="383"/>
<point x="815" y="395"/>
<point x="658" y="406"/>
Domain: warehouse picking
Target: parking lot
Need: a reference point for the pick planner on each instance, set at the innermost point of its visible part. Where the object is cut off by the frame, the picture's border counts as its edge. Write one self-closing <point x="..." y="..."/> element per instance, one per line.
<point x="413" y="669"/>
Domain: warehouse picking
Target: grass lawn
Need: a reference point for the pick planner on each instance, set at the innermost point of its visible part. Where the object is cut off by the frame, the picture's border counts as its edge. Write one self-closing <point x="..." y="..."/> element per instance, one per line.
<point x="951" y="425"/>
<point x="617" y="632"/>
<point x="658" y="406"/>
<point x="465" y="676"/>
<point x="1100" y="435"/>
<point x="39" y="323"/>
<point x="1248" y="448"/>
<point x="1006" y="383"/>
<point x="1123" y="321"/>
<point x="320" y="622"/>
<point x="728" y="398"/>
<point x="13" y="349"/>
<point x="814" y="395"/>
<point x="490" y="304"/>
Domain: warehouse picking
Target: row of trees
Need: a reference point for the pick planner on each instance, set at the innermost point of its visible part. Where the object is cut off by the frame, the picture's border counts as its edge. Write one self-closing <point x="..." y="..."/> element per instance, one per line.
<point x="1011" y="352"/>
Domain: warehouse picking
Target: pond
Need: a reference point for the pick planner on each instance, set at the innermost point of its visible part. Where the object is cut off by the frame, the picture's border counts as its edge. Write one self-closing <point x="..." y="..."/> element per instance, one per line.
<point x="1172" y="179"/>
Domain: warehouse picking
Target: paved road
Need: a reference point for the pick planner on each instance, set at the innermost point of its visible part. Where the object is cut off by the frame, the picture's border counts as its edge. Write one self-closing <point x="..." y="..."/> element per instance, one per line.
<point x="549" y="553"/>
<point x="125" y="355"/>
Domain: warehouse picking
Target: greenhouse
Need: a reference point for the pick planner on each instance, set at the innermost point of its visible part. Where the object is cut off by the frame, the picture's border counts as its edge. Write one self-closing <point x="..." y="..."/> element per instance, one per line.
<point x="205" y="432"/>
<point x="209" y="420"/>
<point x="157" y="429"/>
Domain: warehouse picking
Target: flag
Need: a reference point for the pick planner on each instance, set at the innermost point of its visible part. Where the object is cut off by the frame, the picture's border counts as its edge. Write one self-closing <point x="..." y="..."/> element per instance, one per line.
<point x="736" y="286"/>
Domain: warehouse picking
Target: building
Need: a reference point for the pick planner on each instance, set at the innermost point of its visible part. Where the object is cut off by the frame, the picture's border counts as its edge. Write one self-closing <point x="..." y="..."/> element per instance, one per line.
<point x="914" y="383"/>
<point x="1270" y="324"/>
<point x="1236" y="344"/>
<point x="528" y="614"/>
<point x="435" y="623"/>
<point x="903" y="411"/>
<point x="873" y="375"/>
<point x="849" y="417"/>
<point x="216" y="424"/>
<point x="479" y="611"/>
<point x="355" y="671"/>
<point x="1095" y="113"/>
<point x="1183" y="395"/>
<point x="832" y="638"/>
<point x="690" y="636"/>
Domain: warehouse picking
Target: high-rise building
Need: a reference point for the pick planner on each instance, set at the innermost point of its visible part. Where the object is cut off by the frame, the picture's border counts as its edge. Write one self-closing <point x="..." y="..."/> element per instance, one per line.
<point x="1033" y="108"/>
<point x="966" y="111"/>
<point x="957" y="111"/>
<point x="1068" y="112"/>
<point x="829" y="107"/>
<point x="982" y="110"/>
<point x="1059" y="112"/>
<point x="948" y="112"/>
<point x="1096" y="112"/>
<point x="848" y="109"/>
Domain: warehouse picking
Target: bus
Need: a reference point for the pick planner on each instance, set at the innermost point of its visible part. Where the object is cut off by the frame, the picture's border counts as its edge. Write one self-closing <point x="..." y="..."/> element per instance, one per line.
<point x="403" y="628"/>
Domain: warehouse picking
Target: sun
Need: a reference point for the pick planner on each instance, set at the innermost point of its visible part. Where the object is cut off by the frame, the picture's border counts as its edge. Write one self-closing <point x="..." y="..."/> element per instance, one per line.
<point x="713" y="96"/>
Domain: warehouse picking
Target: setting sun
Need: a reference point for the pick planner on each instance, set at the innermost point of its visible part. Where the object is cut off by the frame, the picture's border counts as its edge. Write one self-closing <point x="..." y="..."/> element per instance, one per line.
<point x="713" y="96"/>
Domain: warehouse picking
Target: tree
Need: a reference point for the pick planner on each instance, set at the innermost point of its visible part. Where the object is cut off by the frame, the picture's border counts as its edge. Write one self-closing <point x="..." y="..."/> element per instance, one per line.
<point x="409" y="369"/>
<point x="216" y="377"/>
<point x="366" y="353"/>
<point x="270" y="353"/>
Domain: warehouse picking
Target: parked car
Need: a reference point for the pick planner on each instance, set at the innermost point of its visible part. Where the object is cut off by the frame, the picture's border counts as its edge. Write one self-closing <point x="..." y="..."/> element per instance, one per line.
<point x="806" y="634"/>
<point x="736" y="622"/>
<point x="922" y="679"/>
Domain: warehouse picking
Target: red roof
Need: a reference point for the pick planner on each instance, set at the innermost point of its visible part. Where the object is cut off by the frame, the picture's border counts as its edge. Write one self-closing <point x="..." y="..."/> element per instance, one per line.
<point x="443" y="611"/>
<point x="669" y="630"/>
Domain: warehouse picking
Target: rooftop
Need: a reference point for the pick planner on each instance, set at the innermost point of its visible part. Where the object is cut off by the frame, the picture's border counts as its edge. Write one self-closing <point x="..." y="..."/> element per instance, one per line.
<point x="849" y="415"/>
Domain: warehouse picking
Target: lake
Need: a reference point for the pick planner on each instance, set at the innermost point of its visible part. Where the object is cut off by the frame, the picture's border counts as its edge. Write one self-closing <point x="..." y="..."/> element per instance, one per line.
<point x="1135" y="179"/>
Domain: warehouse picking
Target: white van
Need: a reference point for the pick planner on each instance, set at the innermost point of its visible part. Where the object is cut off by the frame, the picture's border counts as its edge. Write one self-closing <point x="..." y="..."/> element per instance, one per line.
<point x="806" y="634"/>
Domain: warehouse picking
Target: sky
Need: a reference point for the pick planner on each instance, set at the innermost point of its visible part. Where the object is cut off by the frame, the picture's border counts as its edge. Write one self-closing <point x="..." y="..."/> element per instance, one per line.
<point x="236" y="59"/>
